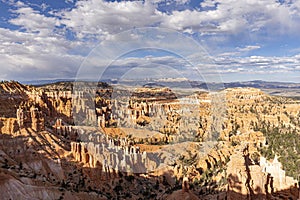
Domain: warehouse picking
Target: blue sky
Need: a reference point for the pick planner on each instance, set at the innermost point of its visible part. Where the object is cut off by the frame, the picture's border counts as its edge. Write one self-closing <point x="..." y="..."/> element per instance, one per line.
<point x="244" y="40"/>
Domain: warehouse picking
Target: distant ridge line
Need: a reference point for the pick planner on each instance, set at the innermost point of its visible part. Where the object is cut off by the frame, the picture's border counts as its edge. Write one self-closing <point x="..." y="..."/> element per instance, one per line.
<point x="194" y="84"/>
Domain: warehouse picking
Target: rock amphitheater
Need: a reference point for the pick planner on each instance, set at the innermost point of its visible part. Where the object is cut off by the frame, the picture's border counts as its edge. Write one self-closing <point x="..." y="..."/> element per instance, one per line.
<point x="61" y="144"/>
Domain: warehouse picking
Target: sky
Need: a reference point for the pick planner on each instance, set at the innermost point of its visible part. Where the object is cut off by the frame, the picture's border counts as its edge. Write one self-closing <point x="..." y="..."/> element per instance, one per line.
<point x="211" y="40"/>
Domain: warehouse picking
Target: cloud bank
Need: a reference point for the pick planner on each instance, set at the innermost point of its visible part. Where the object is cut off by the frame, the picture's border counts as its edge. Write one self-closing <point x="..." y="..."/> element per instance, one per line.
<point x="44" y="42"/>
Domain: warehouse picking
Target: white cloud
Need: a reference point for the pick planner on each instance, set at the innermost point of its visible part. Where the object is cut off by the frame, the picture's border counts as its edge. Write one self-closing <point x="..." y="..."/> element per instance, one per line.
<point x="208" y="3"/>
<point x="239" y="51"/>
<point x="37" y="49"/>
<point x="25" y="56"/>
<point x="177" y="2"/>
<point x="248" y="48"/>
<point x="97" y="18"/>
<point x="258" y="64"/>
<point x="32" y="21"/>
<point x="234" y="16"/>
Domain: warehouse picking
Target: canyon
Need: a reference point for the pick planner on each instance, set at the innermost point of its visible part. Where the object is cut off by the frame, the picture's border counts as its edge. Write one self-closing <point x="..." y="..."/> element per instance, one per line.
<point x="93" y="140"/>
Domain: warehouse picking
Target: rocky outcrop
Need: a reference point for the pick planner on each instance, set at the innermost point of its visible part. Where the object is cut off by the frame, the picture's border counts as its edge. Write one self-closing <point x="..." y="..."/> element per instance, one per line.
<point x="8" y="125"/>
<point x="112" y="155"/>
<point x="32" y="118"/>
<point x="266" y="180"/>
<point x="64" y="130"/>
<point x="57" y="104"/>
<point x="279" y="179"/>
